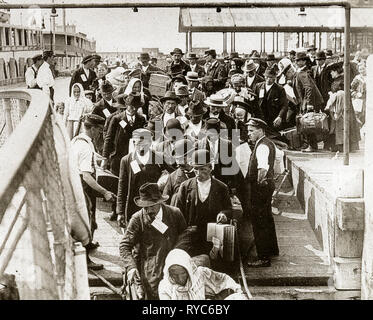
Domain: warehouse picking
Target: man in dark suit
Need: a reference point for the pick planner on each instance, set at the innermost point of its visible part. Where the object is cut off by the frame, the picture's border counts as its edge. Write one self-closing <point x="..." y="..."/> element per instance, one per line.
<point x="136" y="168"/>
<point x="221" y="151"/>
<point x="146" y="68"/>
<point x="216" y="104"/>
<point x="193" y="81"/>
<point x="322" y="76"/>
<point x="272" y="100"/>
<point x="117" y="138"/>
<point x="307" y="94"/>
<point x="155" y="228"/>
<point x="182" y="155"/>
<point x="251" y="75"/>
<point x="194" y="66"/>
<point x="203" y="199"/>
<point x="85" y="74"/>
<point x="215" y="70"/>
<point x="177" y="66"/>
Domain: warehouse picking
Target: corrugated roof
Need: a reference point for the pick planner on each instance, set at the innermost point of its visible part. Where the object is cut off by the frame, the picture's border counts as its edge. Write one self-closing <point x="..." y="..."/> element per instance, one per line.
<point x="271" y="19"/>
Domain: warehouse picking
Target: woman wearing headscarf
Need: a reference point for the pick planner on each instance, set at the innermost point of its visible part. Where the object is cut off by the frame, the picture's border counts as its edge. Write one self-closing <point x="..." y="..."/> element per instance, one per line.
<point x="335" y="106"/>
<point x="76" y="106"/>
<point x="183" y="280"/>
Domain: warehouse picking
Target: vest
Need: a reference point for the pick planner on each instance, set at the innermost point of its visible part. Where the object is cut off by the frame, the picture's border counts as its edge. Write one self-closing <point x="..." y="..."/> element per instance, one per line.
<point x="253" y="163"/>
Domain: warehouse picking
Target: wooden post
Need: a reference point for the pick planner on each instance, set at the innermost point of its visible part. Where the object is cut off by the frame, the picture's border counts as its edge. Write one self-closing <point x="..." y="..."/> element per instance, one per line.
<point x="335" y="41"/>
<point x="264" y="41"/>
<point x="347" y="100"/>
<point x="261" y="42"/>
<point x="273" y="42"/>
<point x="276" y="41"/>
<point x="367" y="259"/>
<point x="233" y="41"/>
<point x="320" y="40"/>
<point x="186" y="42"/>
<point x="190" y="46"/>
<point x="224" y="43"/>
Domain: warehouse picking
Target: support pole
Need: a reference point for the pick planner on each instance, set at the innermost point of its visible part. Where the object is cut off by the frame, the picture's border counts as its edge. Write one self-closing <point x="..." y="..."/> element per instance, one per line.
<point x="320" y="40"/>
<point x="273" y="42"/>
<point x="224" y="43"/>
<point x="190" y="46"/>
<point x="347" y="101"/>
<point x="186" y="41"/>
<point x="261" y="42"/>
<point x="335" y="41"/>
<point x="264" y="41"/>
<point x="276" y="41"/>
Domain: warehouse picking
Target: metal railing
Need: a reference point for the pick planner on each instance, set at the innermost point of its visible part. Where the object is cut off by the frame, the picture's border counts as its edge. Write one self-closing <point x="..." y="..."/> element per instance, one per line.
<point x="37" y="202"/>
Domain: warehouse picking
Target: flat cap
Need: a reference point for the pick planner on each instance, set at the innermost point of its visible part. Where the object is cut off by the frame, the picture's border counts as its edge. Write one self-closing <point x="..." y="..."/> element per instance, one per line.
<point x="258" y="123"/>
<point x="94" y="120"/>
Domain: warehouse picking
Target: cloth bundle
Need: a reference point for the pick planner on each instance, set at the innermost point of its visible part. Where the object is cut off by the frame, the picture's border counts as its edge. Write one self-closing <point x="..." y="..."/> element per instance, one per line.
<point x="314" y="123"/>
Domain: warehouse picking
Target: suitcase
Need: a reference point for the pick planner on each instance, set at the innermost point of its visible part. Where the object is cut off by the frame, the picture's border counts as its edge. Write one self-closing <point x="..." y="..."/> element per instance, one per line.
<point x="226" y="234"/>
<point x="158" y="84"/>
<point x="294" y="138"/>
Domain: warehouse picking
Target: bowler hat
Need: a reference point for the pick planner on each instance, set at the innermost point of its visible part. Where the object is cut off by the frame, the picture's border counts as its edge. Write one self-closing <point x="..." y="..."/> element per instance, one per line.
<point x="88" y="58"/>
<point x="47" y="54"/>
<point x="178" y="76"/>
<point x="191" y="55"/>
<point x="258" y="123"/>
<point x="144" y="56"/>
<point x="195" y="108"/>
<point x="192" y="76"/>
<point x="201" y="158"/>
<point x="134" y="101"/>
<point x="233" y="55"/>
<point x="270" y="72"/>
<point x="106" y="87"/>
<point x="215" y="101"/>
<point x="292" y="52"/>
<point x="182" y="148"/>
<point x="250" y="65"/>
<point x="210" y="52"/>
<point x="320" y="55"/>
<point x="329" y="53"/>
<point x="94" y="120"/>
<point x="170" y="95"/>
<point x="182" y="91"/>
<point x="173" y="124"/>
<point x="150" y="195"/>
<point x="37" y="57"/>
<point x="311" y="48"/>
<point x="212" y="123"/>
<point x="176" y="51"/>
<point x="301" y="56"/>
<point x="255" y="56"/>
<point x="270" y="57"/>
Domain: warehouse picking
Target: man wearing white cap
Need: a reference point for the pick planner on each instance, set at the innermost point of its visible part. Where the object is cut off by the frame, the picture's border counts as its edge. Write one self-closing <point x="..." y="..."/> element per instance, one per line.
<point x="250" y="72"/>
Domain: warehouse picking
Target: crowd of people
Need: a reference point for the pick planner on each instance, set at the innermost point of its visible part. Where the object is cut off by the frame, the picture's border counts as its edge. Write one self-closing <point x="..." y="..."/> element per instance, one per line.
<point x="178" y="159"/>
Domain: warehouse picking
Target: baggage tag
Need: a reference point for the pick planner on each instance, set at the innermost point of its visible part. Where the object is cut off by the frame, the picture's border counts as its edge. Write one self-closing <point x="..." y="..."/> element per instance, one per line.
<point x="159" y="225"/>
<point x="261" y="93"/>
<point x="83" y="77"/>
<point x="123" y="124"/>
<point x="135" y="166"/>
<point x="106" y="112"/>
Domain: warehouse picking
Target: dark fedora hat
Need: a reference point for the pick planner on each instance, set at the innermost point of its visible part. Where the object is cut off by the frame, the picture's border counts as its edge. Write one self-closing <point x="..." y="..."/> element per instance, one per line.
<point x="144" y="56"/>
<point x="106" y="87"/>
<point x="88" y="58"/>
<point x="292" y="52"/>
<point x="94" y="120"/>
<point x="149" y="195"/>
<point x="320" y="55"/>
<point x="301" y="56"/>
<point x="240" y="101"/>
<point x="47" y="54"/>
<point x="201" y="158"/>
<point x="210" y="52"/>
<point x="215" y="101"/>
<point x="176" y="51"/>
<point x="134" y="101"/>
<point x="191" y="55"/>
<point x="329" y="53"/>
<point x="195" y="108"/>
<point x="271" y="57"/>
<point x="182" y="148"/>
<point x="233" y="55"/>
<point x="311" y="48"/>
<point x="170" y="95"/>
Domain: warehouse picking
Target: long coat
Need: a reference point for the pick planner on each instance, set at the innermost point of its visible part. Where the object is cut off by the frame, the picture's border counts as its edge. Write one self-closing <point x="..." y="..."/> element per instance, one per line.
<point x="273" y="103"/>
<point x="130" y="182"/>
<point x="182" y="68"/>
<point x="257" y="79"/>
<point x="323" y="81"/>
<point x="154" y="246"/>
<point x="306" y="91"/>
<point x="187" y="200"/>
<point x="175" y="179"/>
<point x="227" y="120"/>
<point x="80" y="77"/>
<point x="116" y="143"/>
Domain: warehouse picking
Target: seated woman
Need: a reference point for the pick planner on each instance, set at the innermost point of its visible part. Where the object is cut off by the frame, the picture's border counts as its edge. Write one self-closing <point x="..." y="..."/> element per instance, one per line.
<point x="183" y="280"/>
<point x="76" y="107"/>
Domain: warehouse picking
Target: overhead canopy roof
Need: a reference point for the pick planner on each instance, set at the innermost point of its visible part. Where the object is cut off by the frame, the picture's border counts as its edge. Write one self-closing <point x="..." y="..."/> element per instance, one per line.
<point x="272" y="19"/>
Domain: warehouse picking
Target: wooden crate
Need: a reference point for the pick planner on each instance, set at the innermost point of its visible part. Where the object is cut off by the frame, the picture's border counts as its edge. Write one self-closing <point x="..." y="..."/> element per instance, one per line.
<point x="158" y="84"/>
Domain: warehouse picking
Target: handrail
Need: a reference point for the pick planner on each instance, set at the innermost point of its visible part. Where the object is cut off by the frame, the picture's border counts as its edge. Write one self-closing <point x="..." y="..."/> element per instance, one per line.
<point x="27" y="132"/>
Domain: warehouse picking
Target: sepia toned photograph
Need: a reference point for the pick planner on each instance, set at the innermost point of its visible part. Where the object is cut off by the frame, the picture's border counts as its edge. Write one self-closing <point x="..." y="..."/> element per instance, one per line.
<point x="211" y="150"/>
